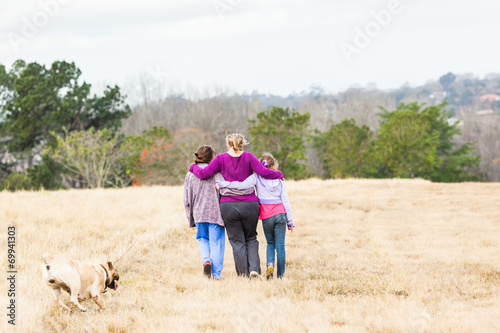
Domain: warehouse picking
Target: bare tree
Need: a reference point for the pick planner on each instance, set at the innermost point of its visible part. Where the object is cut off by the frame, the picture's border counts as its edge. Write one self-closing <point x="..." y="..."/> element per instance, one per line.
<point x="484" y="131"/>
<point x="92" y="156"/>
<point x="216" y="111"/>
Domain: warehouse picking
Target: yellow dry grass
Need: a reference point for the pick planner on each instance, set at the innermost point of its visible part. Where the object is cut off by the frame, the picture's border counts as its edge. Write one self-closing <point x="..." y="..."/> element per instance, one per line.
<point x="366" y="256"/>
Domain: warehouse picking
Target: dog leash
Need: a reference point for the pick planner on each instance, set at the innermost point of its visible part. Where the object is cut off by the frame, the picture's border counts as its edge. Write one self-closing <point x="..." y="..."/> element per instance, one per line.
<point x="126" y="251"/>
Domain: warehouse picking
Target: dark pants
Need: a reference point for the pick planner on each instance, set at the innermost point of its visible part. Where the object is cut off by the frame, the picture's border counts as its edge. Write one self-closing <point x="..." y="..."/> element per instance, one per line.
<point x="240" y="219"/>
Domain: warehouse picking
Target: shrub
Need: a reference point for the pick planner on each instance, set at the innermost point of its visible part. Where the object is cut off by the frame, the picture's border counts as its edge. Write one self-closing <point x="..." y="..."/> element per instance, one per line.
<point x="166" y="162"/>
<point x="16" y="182"/>
<point x="46" y="175"/>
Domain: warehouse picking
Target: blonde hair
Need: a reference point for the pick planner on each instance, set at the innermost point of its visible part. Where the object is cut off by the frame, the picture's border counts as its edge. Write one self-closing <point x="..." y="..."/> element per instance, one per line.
<point x="271" y="161"/>
<point x="236" y="141"/>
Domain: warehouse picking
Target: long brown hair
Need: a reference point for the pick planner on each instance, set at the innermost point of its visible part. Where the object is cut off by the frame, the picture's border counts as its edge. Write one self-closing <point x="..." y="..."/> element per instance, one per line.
<point x="204" y="154"/>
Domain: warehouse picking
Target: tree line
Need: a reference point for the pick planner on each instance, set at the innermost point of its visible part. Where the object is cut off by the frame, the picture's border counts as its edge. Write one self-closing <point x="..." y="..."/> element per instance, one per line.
<point x="88" y="140"/>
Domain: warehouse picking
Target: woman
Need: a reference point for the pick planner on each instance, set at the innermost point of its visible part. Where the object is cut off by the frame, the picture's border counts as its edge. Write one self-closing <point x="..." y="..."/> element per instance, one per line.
<point x="241" y="212"/>
<point x="201" y="201"/>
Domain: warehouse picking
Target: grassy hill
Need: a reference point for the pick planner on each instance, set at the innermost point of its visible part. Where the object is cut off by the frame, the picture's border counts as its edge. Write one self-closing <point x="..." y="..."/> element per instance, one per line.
<point x="367" y="255"/>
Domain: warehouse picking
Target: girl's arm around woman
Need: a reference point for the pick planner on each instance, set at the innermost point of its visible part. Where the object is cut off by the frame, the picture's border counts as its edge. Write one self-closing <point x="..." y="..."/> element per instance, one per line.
<point x="247" y="183"/>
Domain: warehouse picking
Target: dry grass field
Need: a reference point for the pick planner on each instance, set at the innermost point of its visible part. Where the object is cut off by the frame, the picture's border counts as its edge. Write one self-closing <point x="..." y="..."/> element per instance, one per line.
<point x="366" y="256"/>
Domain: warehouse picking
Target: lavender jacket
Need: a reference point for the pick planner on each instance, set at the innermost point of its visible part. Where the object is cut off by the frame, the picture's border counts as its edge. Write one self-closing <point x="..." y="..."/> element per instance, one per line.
<point x="269" y="192"/>
<point x="235" y="169"/>
<point x="201" y="199"/>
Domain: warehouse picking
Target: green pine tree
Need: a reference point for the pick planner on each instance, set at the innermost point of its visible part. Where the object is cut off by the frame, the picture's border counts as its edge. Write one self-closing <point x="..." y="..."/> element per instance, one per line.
<point x="417" y="141"/>
<point x="347" y="150"/>
<point x="38" y="101"/>
<point x="282" y="132"/>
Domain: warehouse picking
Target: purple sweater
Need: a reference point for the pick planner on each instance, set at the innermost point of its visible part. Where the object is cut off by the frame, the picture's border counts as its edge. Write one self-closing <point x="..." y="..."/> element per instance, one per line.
<point x="235" y="169"/>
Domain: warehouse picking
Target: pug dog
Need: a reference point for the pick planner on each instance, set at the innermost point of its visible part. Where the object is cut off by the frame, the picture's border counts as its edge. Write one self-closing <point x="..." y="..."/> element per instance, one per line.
<point x="82" y="281"/>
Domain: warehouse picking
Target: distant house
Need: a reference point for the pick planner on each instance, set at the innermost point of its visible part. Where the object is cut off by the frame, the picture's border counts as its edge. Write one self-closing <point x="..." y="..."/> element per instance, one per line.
<point x="483" y="112"/>
<point x="489" y="98"/>
<point x="452" y="121"/>
<point x="438" y="96"/>
<point x="18" y="162"/>
<point x="10" y="159"/>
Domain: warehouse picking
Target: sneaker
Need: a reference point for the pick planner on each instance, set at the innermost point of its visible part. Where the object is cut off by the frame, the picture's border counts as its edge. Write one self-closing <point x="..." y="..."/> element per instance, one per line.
<point x="254" y="275"/>
<point x="207" y="269"/>
<point x="270" y="271"/>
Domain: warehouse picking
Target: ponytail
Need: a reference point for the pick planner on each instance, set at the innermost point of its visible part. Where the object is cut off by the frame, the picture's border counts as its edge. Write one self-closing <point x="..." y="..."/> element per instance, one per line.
<point x="236" y="141"/>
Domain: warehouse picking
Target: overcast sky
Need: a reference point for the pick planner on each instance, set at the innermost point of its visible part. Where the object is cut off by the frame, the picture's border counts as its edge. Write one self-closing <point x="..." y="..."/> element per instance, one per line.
<point x="275" y="47"/>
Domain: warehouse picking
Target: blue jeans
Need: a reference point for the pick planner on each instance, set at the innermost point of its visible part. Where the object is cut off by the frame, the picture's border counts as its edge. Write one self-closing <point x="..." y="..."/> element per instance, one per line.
<point x="212" y="240"/>
<point x="275" y="231"/>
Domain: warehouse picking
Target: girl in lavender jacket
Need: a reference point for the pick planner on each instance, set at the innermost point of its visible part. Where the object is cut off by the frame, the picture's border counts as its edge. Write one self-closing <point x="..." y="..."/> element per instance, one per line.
<point x="201" y="202"/>
<point x="275" y="212"/>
